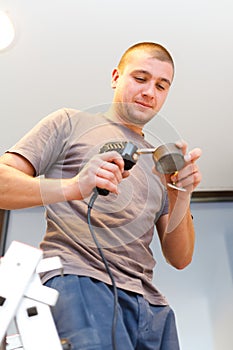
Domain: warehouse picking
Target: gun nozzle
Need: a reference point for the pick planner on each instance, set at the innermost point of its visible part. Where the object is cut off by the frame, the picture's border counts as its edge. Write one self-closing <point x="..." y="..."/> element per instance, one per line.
<point x="145" y="150"/>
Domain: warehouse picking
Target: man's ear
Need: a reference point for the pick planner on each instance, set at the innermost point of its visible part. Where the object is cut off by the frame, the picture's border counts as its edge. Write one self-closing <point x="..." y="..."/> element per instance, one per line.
<point x="115" y="76"/>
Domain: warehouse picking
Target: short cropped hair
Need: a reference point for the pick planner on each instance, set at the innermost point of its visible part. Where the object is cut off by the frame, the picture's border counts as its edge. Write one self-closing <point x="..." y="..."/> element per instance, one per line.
<point x="154" y="49"/>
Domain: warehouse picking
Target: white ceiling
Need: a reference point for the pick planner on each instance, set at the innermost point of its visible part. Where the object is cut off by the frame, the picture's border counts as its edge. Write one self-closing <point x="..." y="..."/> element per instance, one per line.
<point x="65" y="51"/>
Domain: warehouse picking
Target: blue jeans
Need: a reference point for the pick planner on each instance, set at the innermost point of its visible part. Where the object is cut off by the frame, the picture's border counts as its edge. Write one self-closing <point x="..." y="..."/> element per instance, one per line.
<point x="84" y="312"/>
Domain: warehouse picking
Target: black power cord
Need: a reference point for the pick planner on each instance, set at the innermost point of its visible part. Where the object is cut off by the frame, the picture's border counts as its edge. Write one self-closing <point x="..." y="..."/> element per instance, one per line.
<point x="115" y="293"/>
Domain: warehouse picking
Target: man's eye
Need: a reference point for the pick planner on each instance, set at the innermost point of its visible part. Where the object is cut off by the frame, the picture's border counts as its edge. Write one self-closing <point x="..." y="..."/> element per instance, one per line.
<point x="160" y="87"/>
<point x="140" y="79"/>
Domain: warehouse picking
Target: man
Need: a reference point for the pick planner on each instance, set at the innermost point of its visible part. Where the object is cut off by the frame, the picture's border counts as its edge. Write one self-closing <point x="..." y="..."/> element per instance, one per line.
<point x="64" y="147"/>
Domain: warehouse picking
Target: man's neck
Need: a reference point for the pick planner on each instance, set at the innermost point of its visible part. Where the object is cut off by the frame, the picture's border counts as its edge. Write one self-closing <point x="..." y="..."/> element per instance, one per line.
<point x="113" y="115"/>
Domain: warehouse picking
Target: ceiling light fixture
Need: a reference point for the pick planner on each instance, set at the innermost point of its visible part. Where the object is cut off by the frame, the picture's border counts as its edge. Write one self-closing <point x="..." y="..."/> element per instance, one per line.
<point x="7" y="31"/>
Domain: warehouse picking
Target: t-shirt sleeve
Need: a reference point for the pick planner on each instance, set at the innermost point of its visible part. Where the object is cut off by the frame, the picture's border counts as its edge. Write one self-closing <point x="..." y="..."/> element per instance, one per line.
<point x="164" y="207"/>
<point x="43" y="144"/>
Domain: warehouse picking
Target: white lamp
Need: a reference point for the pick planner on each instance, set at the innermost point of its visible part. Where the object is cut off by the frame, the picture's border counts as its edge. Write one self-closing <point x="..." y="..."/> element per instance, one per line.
<point x="7" y="31"/>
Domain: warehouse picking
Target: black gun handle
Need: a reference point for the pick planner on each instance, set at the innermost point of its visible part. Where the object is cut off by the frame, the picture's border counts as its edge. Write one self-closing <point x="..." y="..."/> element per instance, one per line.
<point x="102" y="191"/>
<point x="128" y="152"/>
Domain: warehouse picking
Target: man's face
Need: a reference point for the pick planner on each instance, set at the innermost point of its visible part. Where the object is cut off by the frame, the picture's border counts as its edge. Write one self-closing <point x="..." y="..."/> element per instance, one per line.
<point x="141" y="89"/>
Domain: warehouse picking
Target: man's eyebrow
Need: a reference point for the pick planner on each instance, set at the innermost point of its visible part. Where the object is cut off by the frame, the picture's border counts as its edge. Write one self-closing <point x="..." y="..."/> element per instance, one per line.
<point x="166" y="81"/>
<point x="142" y="71"/>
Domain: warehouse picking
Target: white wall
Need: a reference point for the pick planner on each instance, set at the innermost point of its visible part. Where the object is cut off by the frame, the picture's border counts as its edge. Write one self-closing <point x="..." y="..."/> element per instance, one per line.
<point x="201" y="294"/>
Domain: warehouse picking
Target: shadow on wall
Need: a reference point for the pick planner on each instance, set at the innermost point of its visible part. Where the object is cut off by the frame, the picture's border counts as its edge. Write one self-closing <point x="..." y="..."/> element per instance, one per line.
<point x="4" y="220"/>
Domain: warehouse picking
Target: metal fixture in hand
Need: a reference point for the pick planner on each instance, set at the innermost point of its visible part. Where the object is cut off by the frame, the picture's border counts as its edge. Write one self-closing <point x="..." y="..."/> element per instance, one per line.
<point x="168" y="159"/>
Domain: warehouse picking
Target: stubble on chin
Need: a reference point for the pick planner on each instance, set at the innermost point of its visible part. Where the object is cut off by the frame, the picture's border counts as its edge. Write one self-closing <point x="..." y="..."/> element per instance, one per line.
<point x="137" y="115"/>
<point x="132" y="114"/>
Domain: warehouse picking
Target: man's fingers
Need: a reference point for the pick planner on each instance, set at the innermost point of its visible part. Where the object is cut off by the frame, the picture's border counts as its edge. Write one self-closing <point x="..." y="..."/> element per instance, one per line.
<point x="109" y="170"/>
<point x="193" y="155"/>
<point x="113" y="157"/>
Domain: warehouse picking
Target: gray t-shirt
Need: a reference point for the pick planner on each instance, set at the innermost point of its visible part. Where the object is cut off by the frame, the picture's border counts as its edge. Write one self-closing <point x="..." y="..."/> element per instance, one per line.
<point x="58" y="147"/>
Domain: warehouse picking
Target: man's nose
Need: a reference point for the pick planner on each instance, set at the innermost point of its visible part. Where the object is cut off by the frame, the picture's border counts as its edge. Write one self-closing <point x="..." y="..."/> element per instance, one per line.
<point x="149" y="90"/>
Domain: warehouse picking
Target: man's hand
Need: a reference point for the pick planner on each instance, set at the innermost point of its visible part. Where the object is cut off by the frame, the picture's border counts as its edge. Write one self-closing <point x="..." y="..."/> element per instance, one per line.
<point x="189" y="176"/>
<point x="104" y="170"/>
